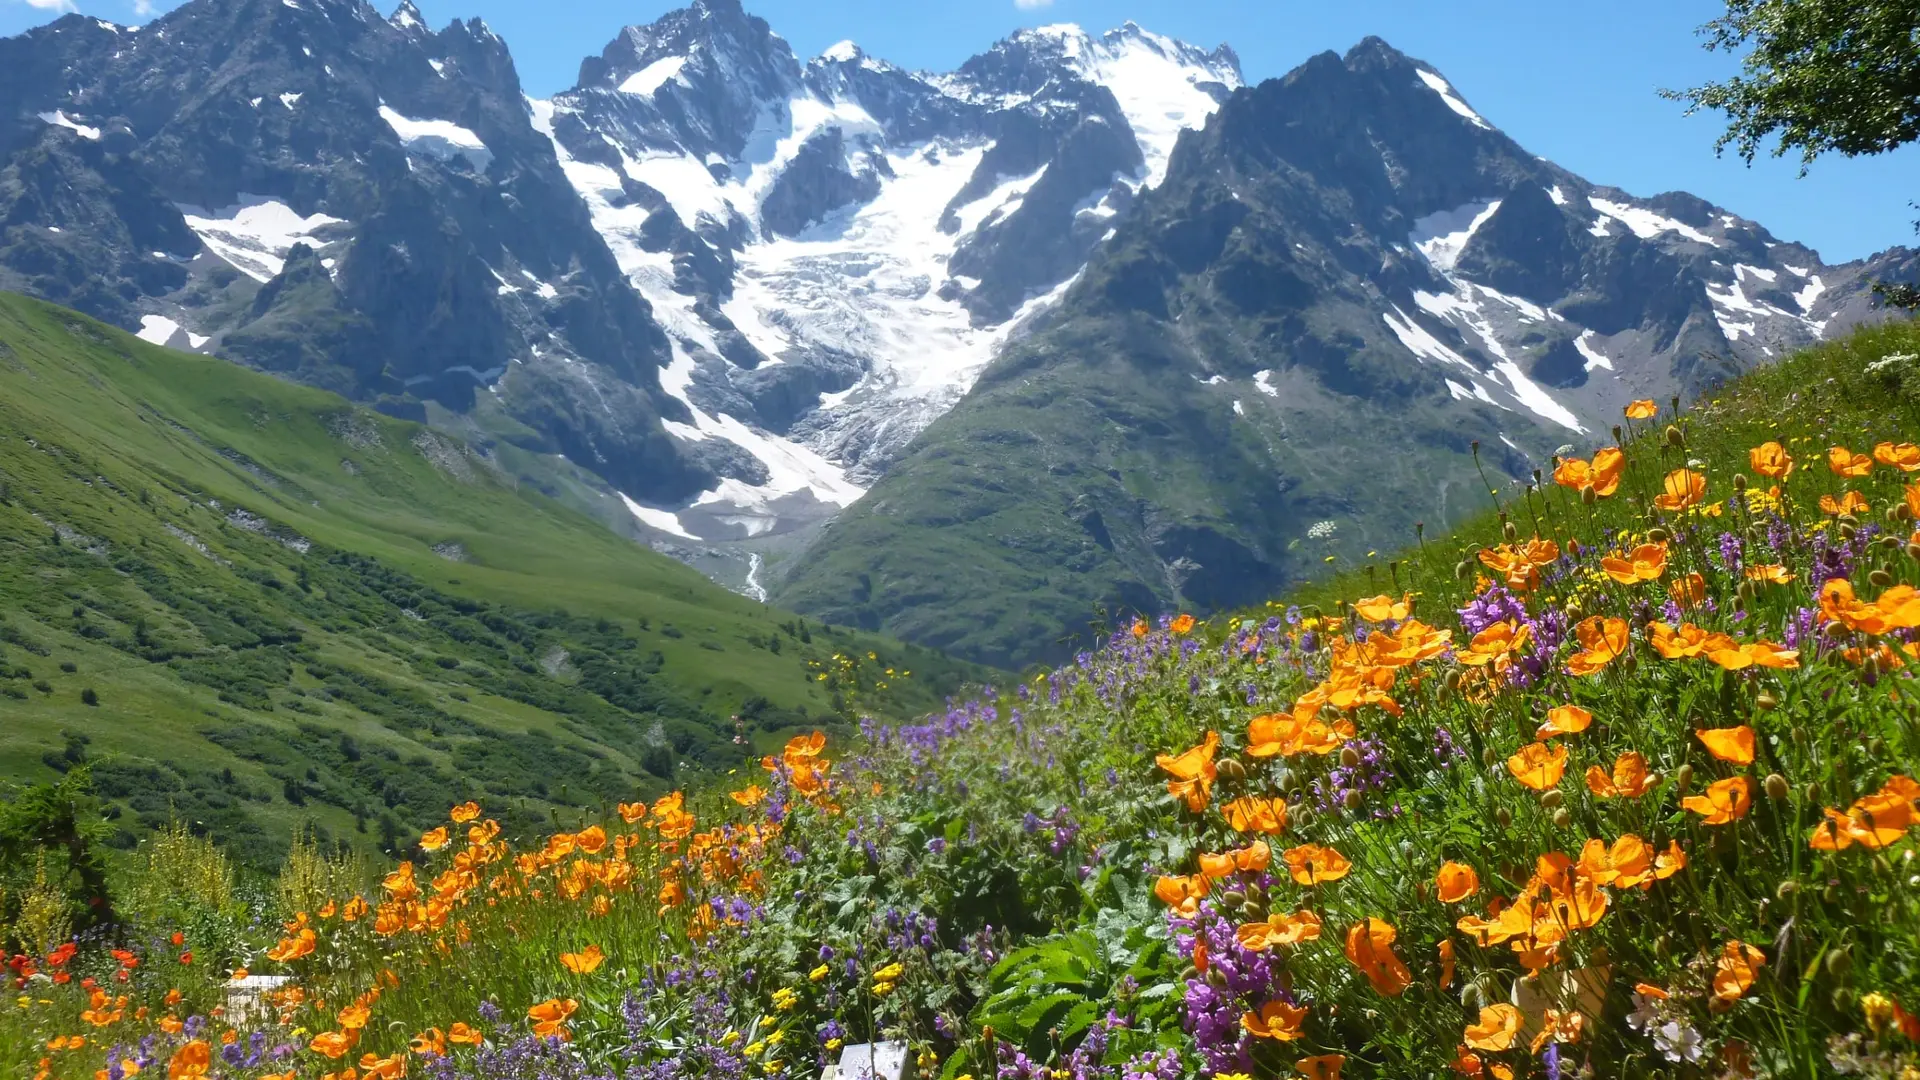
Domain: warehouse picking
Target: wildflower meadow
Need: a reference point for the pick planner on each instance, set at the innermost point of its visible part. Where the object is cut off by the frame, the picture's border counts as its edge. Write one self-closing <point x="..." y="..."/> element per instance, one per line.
<point x="1618" y="781"/>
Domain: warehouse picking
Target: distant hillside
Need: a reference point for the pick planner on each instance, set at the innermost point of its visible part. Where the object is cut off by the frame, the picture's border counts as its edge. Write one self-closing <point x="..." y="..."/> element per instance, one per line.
<point x="253" y="605"/>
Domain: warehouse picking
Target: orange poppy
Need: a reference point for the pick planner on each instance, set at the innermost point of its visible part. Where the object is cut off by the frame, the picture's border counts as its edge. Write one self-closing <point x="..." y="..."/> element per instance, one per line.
<point x="751" y="795"/>
<point x="1538" y="765"/>
<point x="383" y="1068"/>
<point x="1770" y="573"/>
<point x="1181" y="624"/>
<point x="1688" y="591"/>
<point x="1681" y="489"/>
<point x="1903" y="456"/>
<point x="1850" y="503"/>
<point x="1643" y="409"/>
<point x="1517" y="572"/>
<point x="1497" y="1029"/>
<point x="550" y="1018"/>
<point x="1735" y="657"/>
<point x="1898" y="608"/>
<point x="1275" y="1020"/>
<point x="462" y="1033"/>
<point x="1182" y="894"/>
<point x="334" y="1044"/>
<point x="1575" y="473"/>
<point x="1723" y="802"/>
<point x="1321" y="1066"/>
<point x="1602" y="641"/>
<point x="1873" y="822"/>
<point x="1846" y="463"/>
<point x="429" y="1043"/>
<point x="1630" y="778"/>
<point x="584" y="962"/>
<point x="465" y="812"/>
<point x="1370" y="946"/>
<point x="1456" y="882"/>
<point x="1645" y="563"/>
<point x="434" y="839"/>
<point x="1446" y="963"/>
<point x="1312" y="864"/>
<point x="1771" y="460"/>
<point x="1564" y="720"/>
<point x="1193" y="772"/>
<point x="190" y="1061"/>
<point x="1497" y="644"/>
<point x="1287" y="734"/>
<point x="1609" y="465"/>
<point x="1738" y="966"/>
<point x="1252" y="813"/>
<point x="1279" y="929"/>
<point x="1383" y="608"/>
<point x="1140" y="628"/>
<point x="1732" y="744"/>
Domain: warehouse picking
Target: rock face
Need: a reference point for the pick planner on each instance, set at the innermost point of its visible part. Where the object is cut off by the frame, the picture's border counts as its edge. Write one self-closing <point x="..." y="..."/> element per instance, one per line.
<point x="1345" y="282"/>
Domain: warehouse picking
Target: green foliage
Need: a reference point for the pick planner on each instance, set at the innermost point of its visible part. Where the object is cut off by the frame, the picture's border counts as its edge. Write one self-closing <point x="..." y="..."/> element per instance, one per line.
<point x="1819" y="75"/>
<point x="53" y="832"/>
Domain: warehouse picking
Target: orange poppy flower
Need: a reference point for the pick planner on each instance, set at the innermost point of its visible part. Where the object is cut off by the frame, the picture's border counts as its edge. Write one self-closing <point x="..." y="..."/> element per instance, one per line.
<point x="1518" y="573"/>
<point x="583" y="962"/>
<point x="1369" y="946"/>
<point x="1497" y="644"/>
<point x="1913" y="500"/>
<point x="1446" y="963"/>
<point x="1456" y="882"/>
<point x="1609" y="465"/>
<point x="751" y="795"/>
<point x="465" y="1035"/>
<point x="355" y="1016"/>
<point x="1733" y="744"/>
<point x="1873" y="822"/>
<point x="550" y="1018"/>
<point x="1383" y="608"/>
<point x="1564" y="720"/>
<point x="434" y="839"/>
<point x="383" y="1068"/>
<point x="1275" y="1020"/>
<point x="1644" y="409"/>
<point x="1182" y="894"/>
<point x="1140" y="628"/>
<point x="1630" y="778"/>
<point x="1735" y="657"/>
<point x="334" y="1044"/>
<point x="1321" y="1066"/>
<point x="1771" y="460"/>
<point x="1575" y="473"/>
<point x="1538" y="765"/>
<point x="1498" y="1028"/>
<point x="190" y="1061"/>
<point x="1312" y="864"/>
<point x="1181" y="624"/>
<point x="1688" y="591"/>
<point x="1850" y="503"/>
<point x="1645" y="563"/>
<point x="1723" y="802"/>
<point x="1844" y="462"/>
<point x="1898" y="608"/>
<point x="1903" y="456"/>
<point x="1252" y="813"/>
<point x="1738" y="966"/>
<point x="1686" y="643"/>
<point x="429" y="1043"/>
<point x="1279" y="929"/>
<point x="1193" y="773"/>
<point x="1770" y="573"/>
<point x="1287" y="734"/>
<point x="1602" y="641"/>
<point x="465" y="812"/>
<point x="1681" y="489"/>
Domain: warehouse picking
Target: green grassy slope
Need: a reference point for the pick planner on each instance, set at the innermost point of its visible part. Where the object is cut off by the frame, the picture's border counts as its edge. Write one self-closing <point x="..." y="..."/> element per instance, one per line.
<point x="289" y="609"/>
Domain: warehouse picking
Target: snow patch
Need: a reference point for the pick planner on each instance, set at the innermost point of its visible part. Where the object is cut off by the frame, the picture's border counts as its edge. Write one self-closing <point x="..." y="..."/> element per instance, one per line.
<point x="652" y="77"/>
<point x="440" y="139"/>
<point x="1262" y="382"/>
<point x="1559" y="197"/>
<point x="1645" y="223"/>
<point x="290" y="100"/>
<point x="157" y="329"/>
<point x="60" y="119"/>
<point x="255" y="234"/>
<point x="844" y="52"/>
<point x="1536" y="400"/>
<point x="1443" y="235"/>
<point x="1156" y="81"/>
<point x="1594" y="358"/>
<point x="1440" y="86"/>
<point x="664" y="520"/>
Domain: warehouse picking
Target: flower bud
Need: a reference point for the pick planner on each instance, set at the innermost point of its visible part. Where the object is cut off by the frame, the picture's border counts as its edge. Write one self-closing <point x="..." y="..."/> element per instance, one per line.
<point x="1777" y="788"/>
<point x="1588" y="495"/>
<point x="1452" y="680"/>
<point x="1813" y="791"/>
<point x="1739" y="481"/>
<point x="1231" y="769"/>
<point x="1502" y="818"/>
<point x="1675" y="438"/>
<point x="1551" y="798"/>
<point x="1839" y="962"/>
<point x="1913" y="549"/>
<point x="1488" y="757"/>
<point x="1890" y="543"/>
<point x="1847" y="530"/>
<point x="1880" y="579"/>
<point x="1659" y="534"/>
<point x="1683" y="778"/>
<point x="1349" y="756"/>
<point x="1233" y="898"/>
<point x="1254" y="912"/>
<point x="1562" y="819"/>
<point x="1835" y="631"/>
<point x="1256" y="894"/>
<point x="1510" y="531"/>
<point x="1463" y="570"/>
<point x="1351" y="800"/>
<point x="1786" y="889"/>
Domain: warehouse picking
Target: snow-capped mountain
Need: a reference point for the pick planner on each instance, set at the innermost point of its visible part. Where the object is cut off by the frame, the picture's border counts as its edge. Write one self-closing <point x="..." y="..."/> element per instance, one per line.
<point x="836" y="249"/>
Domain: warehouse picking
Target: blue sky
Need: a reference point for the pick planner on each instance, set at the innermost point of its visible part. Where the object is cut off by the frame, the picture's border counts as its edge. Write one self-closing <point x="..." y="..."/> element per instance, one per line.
<point x="1574" y="83"/>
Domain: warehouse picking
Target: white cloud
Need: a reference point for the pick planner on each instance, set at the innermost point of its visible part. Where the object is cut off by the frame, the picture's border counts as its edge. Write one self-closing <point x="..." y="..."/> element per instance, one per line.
<point x="142" y="8"/>
<point x="1023" y="5"/>
<point x="52" y="5"/>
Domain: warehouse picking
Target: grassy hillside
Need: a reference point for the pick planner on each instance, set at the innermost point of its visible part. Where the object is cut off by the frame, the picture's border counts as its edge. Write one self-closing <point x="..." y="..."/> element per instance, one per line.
<point x="1610" y="811"/>
<point x="253" y="605"/>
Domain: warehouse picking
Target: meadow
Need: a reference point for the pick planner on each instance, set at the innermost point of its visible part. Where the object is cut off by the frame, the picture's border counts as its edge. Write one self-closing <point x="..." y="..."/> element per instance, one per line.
<point x="1616" y="782"/>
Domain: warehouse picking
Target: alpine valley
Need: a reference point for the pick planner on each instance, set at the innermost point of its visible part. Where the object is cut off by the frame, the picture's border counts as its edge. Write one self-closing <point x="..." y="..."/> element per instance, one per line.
<point x="1085" y="326"/>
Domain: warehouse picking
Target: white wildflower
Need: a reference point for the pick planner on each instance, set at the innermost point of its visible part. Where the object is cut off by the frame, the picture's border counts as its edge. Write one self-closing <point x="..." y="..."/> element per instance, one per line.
<point x="1321" y="530"/>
